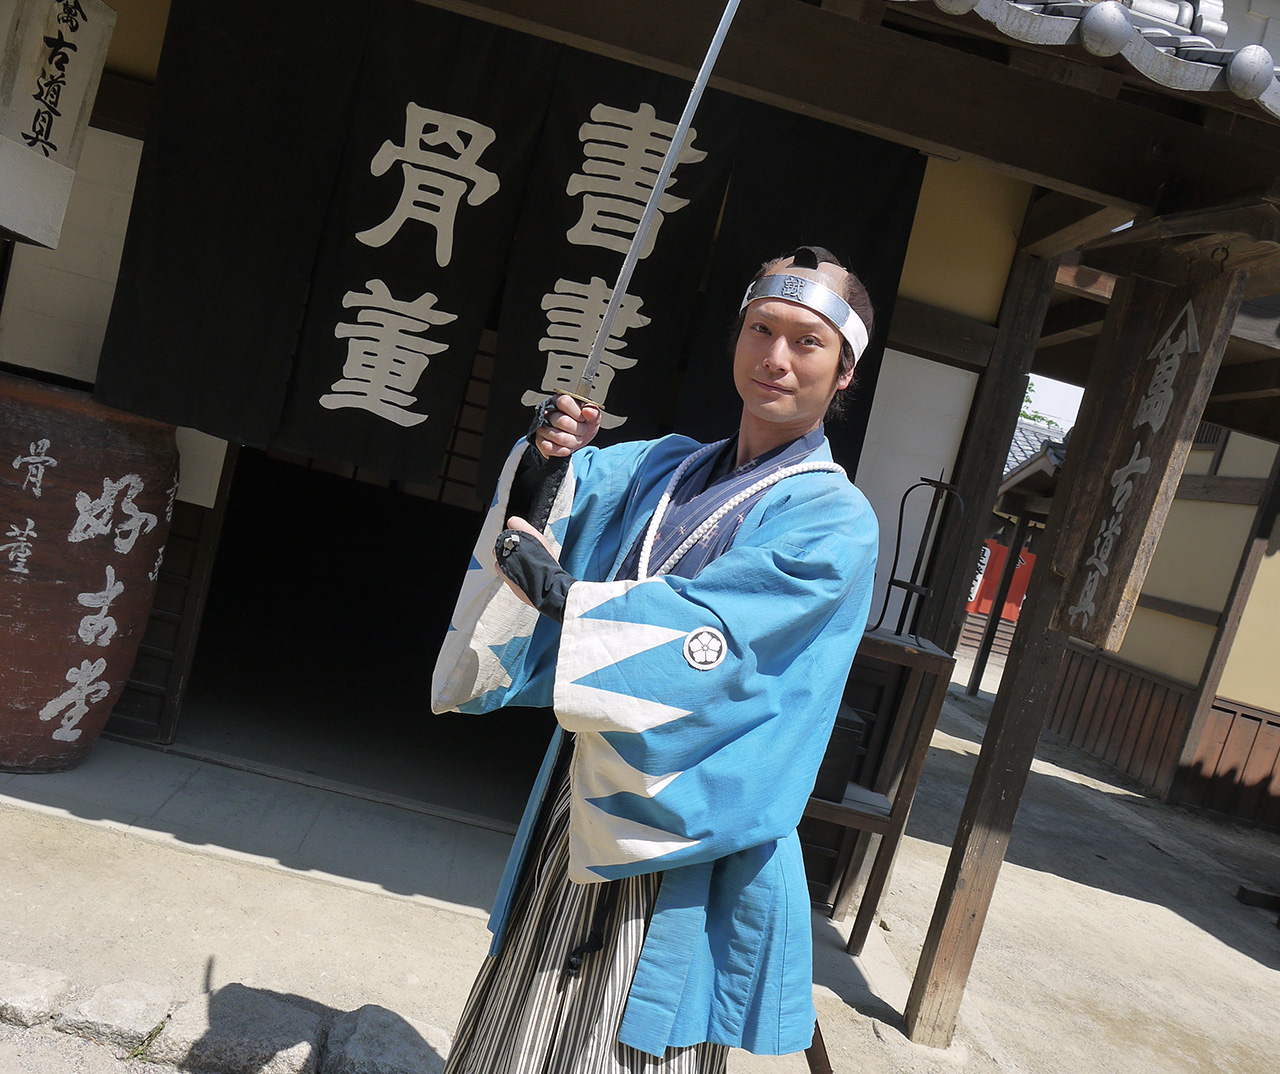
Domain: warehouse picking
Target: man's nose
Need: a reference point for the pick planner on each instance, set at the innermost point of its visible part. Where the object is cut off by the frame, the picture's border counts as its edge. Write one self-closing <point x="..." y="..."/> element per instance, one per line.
<point x="778" y="354"/>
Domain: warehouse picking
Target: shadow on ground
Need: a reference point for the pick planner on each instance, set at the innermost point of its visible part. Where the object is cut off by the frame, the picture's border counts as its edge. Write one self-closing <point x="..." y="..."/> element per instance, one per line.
<point x="255" y="1030"/>
<point x="1110" y="838"/>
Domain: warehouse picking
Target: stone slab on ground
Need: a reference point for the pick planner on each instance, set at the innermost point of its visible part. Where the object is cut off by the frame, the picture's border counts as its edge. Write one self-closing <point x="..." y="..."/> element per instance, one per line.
<point x="30" y="995"/>
<point x="121" y="1015"/>
<point x="42" y="1051"/>
<point x="374" y="1040"/>
<point x="241" y="1030"/>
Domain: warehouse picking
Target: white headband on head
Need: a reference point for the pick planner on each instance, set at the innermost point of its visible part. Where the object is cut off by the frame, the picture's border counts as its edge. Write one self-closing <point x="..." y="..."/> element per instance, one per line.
<point x="815" y="296"/>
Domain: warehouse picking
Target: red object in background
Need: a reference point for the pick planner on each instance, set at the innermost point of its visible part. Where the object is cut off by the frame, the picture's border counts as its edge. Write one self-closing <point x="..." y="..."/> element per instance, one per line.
<point x="991" y="565"/>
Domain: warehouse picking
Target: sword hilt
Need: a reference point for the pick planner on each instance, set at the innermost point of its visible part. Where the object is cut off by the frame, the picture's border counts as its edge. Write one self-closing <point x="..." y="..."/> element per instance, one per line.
<point x="540" y="413"/>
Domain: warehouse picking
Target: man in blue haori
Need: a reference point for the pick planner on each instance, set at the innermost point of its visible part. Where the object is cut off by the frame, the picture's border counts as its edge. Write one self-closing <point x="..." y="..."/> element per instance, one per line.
<point x="690" y="612"/>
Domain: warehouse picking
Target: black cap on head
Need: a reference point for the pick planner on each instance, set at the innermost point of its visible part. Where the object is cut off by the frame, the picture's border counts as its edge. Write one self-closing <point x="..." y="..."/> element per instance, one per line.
<point x="809" y="257"/>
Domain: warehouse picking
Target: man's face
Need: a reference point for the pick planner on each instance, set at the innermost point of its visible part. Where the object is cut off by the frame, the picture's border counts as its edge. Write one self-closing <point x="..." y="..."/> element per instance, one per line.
<point x="786" y="363"/>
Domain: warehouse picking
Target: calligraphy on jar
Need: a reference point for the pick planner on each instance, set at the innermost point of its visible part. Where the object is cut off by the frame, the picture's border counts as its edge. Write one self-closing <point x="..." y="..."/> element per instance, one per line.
<point x="112" y="514"/>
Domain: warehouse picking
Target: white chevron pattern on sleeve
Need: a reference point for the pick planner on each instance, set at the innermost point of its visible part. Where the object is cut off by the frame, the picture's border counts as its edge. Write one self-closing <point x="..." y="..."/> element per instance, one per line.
<point x="600" y="770"/>
<point x="588" y="646"/>
<point x="488" y="616"/>
<point x="598" y="839"/>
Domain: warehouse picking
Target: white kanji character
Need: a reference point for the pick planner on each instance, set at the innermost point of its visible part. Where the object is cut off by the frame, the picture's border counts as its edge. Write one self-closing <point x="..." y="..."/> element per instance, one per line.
<point x="97" y="517"/>
<point x="100" y="628"/>
<point x="86" y="690"/>
<point x="1085" y="606"/>
<point x="35" y="464"/>
<point x="386" y="353"/>
<point x="624" y="152"/>
<point x="574" y="314"/>
<point x="21" y="547"/>
<point x="436" y="178"/>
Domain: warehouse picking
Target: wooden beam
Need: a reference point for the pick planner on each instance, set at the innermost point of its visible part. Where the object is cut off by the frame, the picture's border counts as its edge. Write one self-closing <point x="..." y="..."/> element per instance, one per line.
<point x="912" y="91"/>
<point x="1077" y="279"/>
<point x="1180" y="609"/>
<point x="122" y="106"/>
<point x="1008" y="746"/>
<point x="1075" y="318"/>
<point x="871" y="11"/>
<point x="1162" y="347"/>
<point x="1250" y="380"/>
<point x="1218" y="489"/>
<point x="1068" y="362"/>
<point x="1257" y="417"/>
<point x="1258" y="219"/>
<point x="1087" y="76"/>
<point x="992" y="420"/>
<point x="1239" y="237"/>
<point x="940" y="335"/>
<point x="1057" y="223"/>
<point x="1013" y="556"/>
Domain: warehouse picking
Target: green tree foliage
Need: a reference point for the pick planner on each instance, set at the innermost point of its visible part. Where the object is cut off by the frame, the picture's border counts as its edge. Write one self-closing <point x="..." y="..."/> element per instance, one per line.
<point x="1030" y="413"/>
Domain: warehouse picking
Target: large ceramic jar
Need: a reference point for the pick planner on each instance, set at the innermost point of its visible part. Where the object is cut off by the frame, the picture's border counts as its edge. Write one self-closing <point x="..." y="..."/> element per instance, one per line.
<point x="86" y="495"/>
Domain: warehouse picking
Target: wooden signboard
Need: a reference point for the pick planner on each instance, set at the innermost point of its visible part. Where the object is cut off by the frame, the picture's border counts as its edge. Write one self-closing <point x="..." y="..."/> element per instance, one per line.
<point x="1165" y="343"/>
<point x="49" y="70"/>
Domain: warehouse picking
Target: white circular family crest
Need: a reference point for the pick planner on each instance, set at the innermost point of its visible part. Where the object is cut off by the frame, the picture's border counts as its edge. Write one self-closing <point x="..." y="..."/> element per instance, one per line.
<point x="704" y="648"/>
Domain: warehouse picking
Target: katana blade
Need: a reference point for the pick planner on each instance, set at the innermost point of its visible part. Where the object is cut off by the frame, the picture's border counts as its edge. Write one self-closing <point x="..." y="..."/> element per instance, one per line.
<point x="587" y="380"/>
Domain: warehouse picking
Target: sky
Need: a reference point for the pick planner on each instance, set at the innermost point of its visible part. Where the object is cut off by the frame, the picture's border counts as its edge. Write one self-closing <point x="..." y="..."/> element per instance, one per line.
<point x="1056" y="400"/>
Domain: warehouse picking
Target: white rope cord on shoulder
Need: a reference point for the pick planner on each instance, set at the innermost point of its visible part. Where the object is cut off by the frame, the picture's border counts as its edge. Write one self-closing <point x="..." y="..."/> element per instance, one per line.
<point x="646" y="549"/>
<point x="713" y="520"/>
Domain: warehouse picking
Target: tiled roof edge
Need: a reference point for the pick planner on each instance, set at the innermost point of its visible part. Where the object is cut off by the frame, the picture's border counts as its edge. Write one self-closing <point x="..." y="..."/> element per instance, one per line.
<point x="1163" y="52"/>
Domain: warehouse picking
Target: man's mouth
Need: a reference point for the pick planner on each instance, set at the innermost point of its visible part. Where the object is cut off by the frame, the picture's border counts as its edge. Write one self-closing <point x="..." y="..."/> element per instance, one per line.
<point x="776" y="388"/>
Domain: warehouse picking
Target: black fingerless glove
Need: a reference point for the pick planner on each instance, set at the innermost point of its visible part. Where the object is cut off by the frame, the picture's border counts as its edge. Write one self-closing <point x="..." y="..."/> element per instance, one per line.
<point x="527" y="564"/>
<point x="534" y="487"/>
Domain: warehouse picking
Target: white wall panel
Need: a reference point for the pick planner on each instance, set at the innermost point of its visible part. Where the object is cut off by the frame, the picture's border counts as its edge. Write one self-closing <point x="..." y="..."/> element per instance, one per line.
<point x="56" y="302"/>
<point x="915" y="430"/>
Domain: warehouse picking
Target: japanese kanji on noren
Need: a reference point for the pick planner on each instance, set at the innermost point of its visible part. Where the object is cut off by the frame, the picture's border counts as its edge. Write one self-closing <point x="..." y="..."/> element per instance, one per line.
<point x="444" y="125"/>
<point x="429" y="176"/>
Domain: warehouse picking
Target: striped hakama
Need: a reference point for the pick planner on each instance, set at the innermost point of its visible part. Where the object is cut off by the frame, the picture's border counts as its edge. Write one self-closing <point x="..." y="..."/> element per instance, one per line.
<point x="526" y="1013"/>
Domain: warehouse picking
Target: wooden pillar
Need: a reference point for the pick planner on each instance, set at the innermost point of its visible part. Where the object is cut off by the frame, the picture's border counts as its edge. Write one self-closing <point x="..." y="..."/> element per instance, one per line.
<point x="980" y="467"/>
<point x="997" y="601"/>
<point x="987" y="818"/>
<point x="1121" y="381"/>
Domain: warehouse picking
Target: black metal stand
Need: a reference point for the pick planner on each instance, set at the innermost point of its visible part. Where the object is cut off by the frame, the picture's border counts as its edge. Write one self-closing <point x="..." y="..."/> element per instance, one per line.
<point x="914" y="586"/>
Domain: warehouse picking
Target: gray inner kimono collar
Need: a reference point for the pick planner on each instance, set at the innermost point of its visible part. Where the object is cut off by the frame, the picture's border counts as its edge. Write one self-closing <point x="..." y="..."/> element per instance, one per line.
<point x="707" y="485"/>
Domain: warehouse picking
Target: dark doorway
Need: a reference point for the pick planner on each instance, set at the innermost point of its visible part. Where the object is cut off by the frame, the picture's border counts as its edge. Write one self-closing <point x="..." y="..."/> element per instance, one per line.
<point x="328" y="600"/>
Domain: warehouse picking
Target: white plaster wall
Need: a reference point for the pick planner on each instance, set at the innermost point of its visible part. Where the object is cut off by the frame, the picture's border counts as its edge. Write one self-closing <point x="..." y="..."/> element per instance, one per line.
<point x="1167" y="644"/>
<point x="56" y="302"/>
<point x="915" y="429"/>
<point x="200" y="459"/>
<point x="1246" y="456"/>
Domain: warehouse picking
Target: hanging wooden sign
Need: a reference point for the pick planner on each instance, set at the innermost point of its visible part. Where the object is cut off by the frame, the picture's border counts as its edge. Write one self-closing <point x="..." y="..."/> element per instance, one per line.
<point x="53" y="58"/>
<point x="1169" y="341"/>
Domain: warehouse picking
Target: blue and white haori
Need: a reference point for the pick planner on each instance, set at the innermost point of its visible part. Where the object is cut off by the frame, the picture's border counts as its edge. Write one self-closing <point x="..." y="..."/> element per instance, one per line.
<point x="700" y="665"/>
